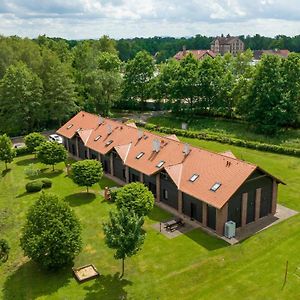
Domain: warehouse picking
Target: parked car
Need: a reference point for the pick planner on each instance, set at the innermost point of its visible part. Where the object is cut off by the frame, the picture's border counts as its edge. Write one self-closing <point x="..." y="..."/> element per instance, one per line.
<point x="55" y="138"/>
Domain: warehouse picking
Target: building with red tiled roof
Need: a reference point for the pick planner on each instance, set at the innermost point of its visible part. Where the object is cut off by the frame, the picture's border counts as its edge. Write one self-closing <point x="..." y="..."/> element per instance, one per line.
<point x="209" y="187"/>
<point x="198" y="54"/>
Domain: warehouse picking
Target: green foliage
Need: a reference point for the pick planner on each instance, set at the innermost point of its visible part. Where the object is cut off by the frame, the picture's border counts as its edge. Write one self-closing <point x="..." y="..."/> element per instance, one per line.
<point x="33" y="140"/>
<point x="138" y="78"/>
<point x="51" y="153"/>
<point x="123" y="232"/>
<point x="20" y="99"/>
<point x="34" y="186"/>
<point x="47" y="182"/>
<point x="22" y="151"/>
<point x="31" y="171"/>
<point x="52" y="234"/>
<point x="7" y="153"/>
<point x="4" y="250"/>
<point x="226" y="140"/>
<point x="135" y="197"/>
<point x="87" y="172"/>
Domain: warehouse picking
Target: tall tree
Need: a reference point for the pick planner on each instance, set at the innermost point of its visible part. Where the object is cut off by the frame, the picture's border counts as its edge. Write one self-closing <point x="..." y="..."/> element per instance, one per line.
<point x="7" y="153"/>
<point x="137" y="78"/>
<point x="123" y="232"/>
<point x="20" y="99"/>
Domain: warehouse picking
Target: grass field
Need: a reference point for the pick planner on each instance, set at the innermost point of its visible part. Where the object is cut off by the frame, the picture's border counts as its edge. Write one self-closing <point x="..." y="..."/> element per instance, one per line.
<point x="230" y="128"/>
<point x="191" y="266"/>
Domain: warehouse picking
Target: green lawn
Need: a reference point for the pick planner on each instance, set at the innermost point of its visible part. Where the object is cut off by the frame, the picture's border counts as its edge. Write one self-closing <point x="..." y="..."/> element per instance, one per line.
<point x="229" y="128"/>
<point x="191" y="266"/>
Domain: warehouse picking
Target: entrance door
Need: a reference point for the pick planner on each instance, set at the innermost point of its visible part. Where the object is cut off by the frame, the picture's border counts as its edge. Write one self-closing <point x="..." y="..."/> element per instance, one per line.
<point x="211" y="217"/>
<point x="193" y="211"/>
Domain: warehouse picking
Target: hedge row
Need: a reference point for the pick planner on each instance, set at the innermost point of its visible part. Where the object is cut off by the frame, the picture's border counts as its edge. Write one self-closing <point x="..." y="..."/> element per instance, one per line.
<point x="22" y="151"/>
<point x="225" y="140"/>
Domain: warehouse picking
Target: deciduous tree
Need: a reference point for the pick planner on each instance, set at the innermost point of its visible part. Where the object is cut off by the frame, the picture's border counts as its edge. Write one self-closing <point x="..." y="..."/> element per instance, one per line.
<point x="7" y="153"/>
<point x="33" y="140"/>
<point x="52" y="233"/>
<point x="123" y="232"/>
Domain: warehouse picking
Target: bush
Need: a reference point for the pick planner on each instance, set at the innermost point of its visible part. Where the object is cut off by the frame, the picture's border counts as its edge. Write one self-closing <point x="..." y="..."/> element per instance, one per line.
<point x="31" y="171"/>
<point x="22" y="151"/>
<point x="34" y="186"/>
<point x="4" y="250"/>
<point x="47" y="182"/>
<point x="52" y="234"/>
<point x="113" y="195"/>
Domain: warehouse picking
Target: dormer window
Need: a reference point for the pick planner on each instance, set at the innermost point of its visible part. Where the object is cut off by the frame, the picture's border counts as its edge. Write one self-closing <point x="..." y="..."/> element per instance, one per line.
<point x="139" y="155"/>
<point x="194" y="177"/>
<point x="97" y="138"/>
<point x="160" y="164"/>
<point x="215" y="186"/>
<point x="70" y="126"/>
<point x="108" y="143"/>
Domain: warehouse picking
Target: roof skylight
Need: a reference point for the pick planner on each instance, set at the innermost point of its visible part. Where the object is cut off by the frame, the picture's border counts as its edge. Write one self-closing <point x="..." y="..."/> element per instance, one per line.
<point x="70" y="126"/>
<point x="108" y="143"/>
<point x="139" y="155"/>
<point x="97" y="138"/>
<point x="160" y="164"/>
<point x="215" y="186"/>
<point x="194" y="177"/>
<point x="78" y="129"/>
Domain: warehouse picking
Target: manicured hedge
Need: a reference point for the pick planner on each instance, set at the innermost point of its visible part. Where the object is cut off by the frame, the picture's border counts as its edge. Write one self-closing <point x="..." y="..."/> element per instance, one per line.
<point x="47" y="182"/>
<point x="34" y="186"/>
<point x="225" y="140"/>
<point x="22" y="151"/>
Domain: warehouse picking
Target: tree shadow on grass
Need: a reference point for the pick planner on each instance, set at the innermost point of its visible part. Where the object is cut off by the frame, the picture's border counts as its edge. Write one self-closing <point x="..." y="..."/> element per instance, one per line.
<point x="78" y="199"/>
<point x="50" y="174"/>
<point x="159" y="215"/>
<point x="206" y="240"/>
<point x="4" y="172"/>
<point x="31" y="282"/>
<point x="108" y="287"/>
<point x="27" y="161"/>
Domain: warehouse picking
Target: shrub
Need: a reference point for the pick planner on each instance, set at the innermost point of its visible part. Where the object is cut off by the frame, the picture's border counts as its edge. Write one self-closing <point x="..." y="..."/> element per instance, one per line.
<point x="22" y="151"/>
<point x="31" y="171"/>
<point x="34" y="186"/>
<point x="4" y="250"/>
<point x="47" y="182"/>
<point x="52" y="234"/>
<point x="113" y="195"/>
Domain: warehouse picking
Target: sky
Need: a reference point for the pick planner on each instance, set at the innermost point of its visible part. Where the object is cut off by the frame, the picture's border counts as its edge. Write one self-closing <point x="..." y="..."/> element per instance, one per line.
<point x="80" y="19"/>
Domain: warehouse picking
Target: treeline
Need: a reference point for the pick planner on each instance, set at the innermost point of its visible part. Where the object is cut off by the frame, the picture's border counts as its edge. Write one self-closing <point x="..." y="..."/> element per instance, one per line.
<point x="43" y="81"/>
<point x="267" y="95"/>
<point x="166" y="47"/>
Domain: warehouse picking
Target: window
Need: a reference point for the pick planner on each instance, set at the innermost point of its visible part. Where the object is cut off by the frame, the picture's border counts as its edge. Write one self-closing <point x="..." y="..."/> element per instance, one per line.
<point x="194" y="177"/>
<point x="160" y="164"/>
<point x="78" y="129"/>
<point x="139" y="155"/>
<point x="165" y="194"/>
<point x="108" y="143"/>
<point x="97" y="138"/>
<point x="215" y="186"/>
<point x="70" y="126"/>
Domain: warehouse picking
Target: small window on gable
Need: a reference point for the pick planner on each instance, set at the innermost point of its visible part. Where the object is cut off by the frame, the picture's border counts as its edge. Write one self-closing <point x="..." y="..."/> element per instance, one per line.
<point x="215" y="186"/>
<point x="139" y="155"/>
<point x="97" y="138"/>
<point x="194" y="177"/>
<point x="160" y="164"/>
<point x="108" y="143"/>
<point x="70" y="126"/>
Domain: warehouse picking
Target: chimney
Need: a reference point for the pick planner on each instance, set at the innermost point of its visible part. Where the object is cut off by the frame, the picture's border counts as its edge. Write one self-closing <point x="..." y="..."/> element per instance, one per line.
<point x="156" y="146"/>
<point x="109" y="129"/>
<point x="100" y="120"/>
<point x="184" y="50"/>
<point x="186" y="149"/>
<point x="140" y="134"/>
